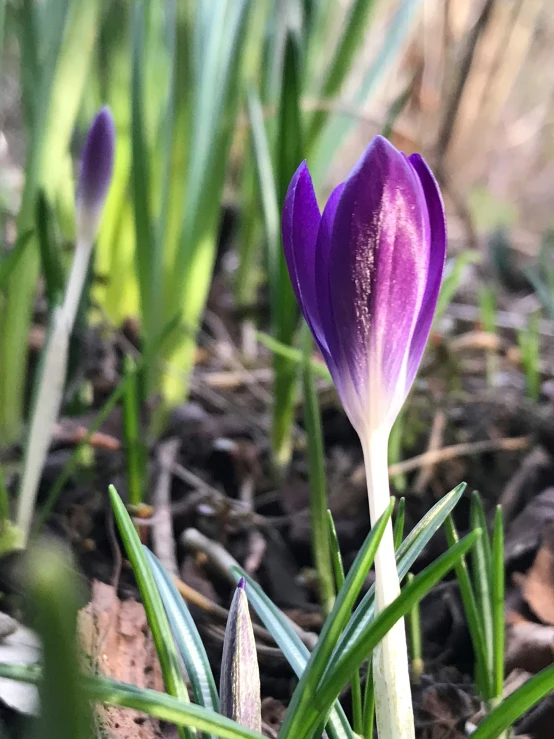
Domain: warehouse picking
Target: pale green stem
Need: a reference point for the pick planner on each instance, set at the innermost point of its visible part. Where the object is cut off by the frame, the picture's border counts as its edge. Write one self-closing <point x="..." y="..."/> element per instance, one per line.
<point x="46" y="408"/>
<point x="393" y="698"/>
<point x="50" y="388"/>
<point x="76" y="281"/>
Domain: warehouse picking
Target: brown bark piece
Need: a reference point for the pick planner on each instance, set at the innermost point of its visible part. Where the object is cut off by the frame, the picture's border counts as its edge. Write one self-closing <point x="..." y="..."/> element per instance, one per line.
<point x="117" y="640"/>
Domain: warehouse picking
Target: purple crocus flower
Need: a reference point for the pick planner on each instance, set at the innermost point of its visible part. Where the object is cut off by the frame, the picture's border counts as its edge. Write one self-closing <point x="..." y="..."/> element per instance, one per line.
<point x="96" y="173"/>
<point x="367" y="274"/>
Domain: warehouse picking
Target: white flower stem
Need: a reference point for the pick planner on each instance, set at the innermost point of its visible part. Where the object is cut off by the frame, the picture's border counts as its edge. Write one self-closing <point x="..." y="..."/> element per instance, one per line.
<point x="49" y="389"/>
<point x="393" y="697"/>
<point x="76" y="281"/>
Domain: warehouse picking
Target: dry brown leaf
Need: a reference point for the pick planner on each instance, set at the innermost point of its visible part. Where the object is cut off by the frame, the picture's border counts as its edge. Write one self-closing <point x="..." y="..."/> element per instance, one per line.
<point x="538" y="583"/>
<point x="529" y="646"/>
<point x="118" y="641"/>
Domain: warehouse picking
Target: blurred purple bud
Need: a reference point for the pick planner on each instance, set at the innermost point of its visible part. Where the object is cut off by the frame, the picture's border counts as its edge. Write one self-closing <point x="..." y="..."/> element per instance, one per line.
<point x="239" y="687"/>
<point x="96" y="173"/>
<point x="367" y="274"/>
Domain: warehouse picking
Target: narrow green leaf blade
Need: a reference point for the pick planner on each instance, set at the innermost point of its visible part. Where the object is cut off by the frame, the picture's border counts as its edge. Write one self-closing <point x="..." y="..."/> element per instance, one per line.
<point x="159" y="705"/>
<point x="333" y="627"/>
<point x="353" y="656"/>
<point x="186" y="636"/>
<point x="155" y="613"/>
<point x="407" y="553"/>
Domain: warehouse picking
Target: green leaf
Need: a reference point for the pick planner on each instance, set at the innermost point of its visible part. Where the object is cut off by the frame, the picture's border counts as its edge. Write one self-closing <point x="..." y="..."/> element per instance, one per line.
<point x="9" y="262"/>
<point x="293" y="724"/>
<point x="318" y="702"/>
<point x="399" y="523"/>
<point x="148" y="262"/>
<point x="135" y="452"/>
<point x="452" y="279"/>
<point x="408" y="552"/>
<point x="289" y="154"/>
<point x="153" y="606"/>
<point x="498" y="619"/>
<point x="48" y="240"/>
<point x="515" y="705"/>
<point x="472" y="615"/>
<point x="186" y="636"/>
<point x="268" y="194"/>
<point x="318" y="486"/>
<point x="481" y="559"/>
<point x="355" y="29"/>
<point x="54" y="602"/>
<point x="340" y="124"/>
<point x="159" y="705"/>
<point x="295" y="355"/>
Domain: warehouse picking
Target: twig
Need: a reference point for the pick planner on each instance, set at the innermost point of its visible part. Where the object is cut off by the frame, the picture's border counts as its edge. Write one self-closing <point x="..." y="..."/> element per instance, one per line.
<point x="503" y="319"/>
<point x="435" y="443"/>
<point x="453" y="103"/>
<point x="162" y="529"/>
<point x="513" y="444"/>
<point x="220" y="558"/>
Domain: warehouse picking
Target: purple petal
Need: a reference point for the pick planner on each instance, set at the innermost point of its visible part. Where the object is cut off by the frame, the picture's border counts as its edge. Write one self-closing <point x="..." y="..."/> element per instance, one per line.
<point x="437" y="258"/>
<point x="300" y="224"/>
<point x="97" y="163"/>
<point x="378" y="266"/>
<point x="327" y="338"/>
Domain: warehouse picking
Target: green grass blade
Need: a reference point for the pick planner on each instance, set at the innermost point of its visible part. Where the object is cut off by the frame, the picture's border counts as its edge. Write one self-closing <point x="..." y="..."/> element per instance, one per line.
<point x="318" y="485"/>
<point x="295" y="355"/>
<point x="147" y="264"/>
<point x="481" y="560"/>
<point x="159" y="705"/>
<point x="187" y="637"/>
<point x="515" y="705"/>
<point x="355" y="27"/>
<point x="268" y="195"/>
<point x="53" y="100"/>
<point x="318" y="702"/>
<point x="294" y="650"/>
<point x="54" y="602"/>
<point x="153" y="606"/>
<point x="339" y="125"/>
<point x="414" y="630"/>
<point x="454" y="271"/>
<point x="52" y="268"/>
<point x="293" y="724"/>
<point x="399" y="523"/>
<point x="498" y="621"/>
<point x="472" y="615"/>
<point x="9" y="262"/>
<point x="406" y="555"/>
<point x="338" y="569"/>
<point x="216" y="75"/>
<point x="289" y="154"/>
<point x="135" y="456"/>
<point x="336" y="556"/>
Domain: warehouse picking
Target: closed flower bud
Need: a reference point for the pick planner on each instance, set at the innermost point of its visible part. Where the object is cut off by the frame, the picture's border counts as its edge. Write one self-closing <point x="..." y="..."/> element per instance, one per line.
<point x="240" y="678"/>
<point x="367" y="275"/>
<point x="95" y="175"/>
